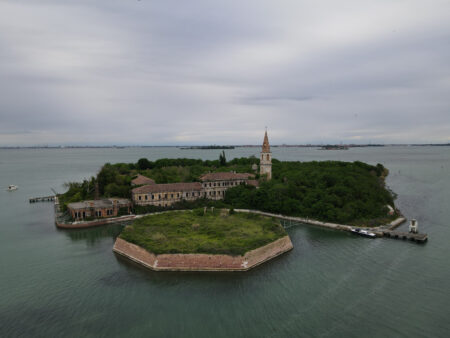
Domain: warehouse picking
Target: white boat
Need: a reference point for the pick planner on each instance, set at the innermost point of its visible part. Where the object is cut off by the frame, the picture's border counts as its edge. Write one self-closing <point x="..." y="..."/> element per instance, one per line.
<point x="364" y="233"/>
<point x="12" y="187"/>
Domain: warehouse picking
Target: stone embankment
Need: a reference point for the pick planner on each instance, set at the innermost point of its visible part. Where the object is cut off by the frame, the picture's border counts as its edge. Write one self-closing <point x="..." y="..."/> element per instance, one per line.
<point x="202" y="262"/>
<point x="103" y="221"/>
<point x="93" y="223"/>
<point x="335" y="226"/>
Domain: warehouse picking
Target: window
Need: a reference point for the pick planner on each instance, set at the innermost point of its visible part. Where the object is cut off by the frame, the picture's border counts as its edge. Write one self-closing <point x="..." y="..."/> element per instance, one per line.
<point x="178" y="194"/>
<point x="187" y="194"/>
<point x="165" y="195"/>
<point x="153" y="197"/>
<point x="267" y="157"/>
<point x="146" y="197"/>
<point x="140" y="197"/>
<point x="209" y="184"/>
<point x="171" y="195"/>
<point x="193" y="194"/>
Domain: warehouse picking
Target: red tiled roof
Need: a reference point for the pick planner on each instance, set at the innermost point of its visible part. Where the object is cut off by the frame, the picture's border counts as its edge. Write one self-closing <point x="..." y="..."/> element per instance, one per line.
<point x="197" y="186"/>
<point x="255" y="183"/>
<point x="225" y="176"/>
<point x="140" y="180"/>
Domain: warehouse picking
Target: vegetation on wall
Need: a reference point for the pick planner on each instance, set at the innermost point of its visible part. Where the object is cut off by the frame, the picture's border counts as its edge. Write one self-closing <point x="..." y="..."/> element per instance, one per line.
<point x="195" y="232"/>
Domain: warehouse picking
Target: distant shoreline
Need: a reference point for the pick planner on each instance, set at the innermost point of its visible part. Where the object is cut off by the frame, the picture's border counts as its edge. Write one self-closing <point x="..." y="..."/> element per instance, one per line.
<point x="231" y="146"/>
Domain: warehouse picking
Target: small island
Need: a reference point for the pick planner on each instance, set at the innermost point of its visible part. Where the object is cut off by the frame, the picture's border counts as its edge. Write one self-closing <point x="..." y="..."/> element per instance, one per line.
<point x="167" y="201"/>
<point x="212" y="147"/>
<point x="203" y="240"/>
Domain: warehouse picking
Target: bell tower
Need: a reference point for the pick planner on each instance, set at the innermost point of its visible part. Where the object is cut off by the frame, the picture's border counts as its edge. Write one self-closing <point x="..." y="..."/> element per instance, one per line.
<point x="265" y="167"/>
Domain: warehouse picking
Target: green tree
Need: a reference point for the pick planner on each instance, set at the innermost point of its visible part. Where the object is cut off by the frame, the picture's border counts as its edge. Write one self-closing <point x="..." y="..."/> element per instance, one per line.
<point x="222" y="159"/>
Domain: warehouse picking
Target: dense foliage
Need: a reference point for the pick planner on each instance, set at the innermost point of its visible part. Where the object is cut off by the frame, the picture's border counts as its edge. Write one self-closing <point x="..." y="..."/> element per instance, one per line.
<point x="114" y="180"/>
<point x="195" y="232"/>
<point x="342" y="192"/>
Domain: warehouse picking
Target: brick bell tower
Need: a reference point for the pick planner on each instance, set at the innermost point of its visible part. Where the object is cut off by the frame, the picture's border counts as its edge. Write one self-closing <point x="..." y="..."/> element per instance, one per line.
<point x="265" y="167"/>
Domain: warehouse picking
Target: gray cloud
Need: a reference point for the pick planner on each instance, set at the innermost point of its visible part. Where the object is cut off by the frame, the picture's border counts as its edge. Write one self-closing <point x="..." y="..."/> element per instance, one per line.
<point x="146" y="72"/>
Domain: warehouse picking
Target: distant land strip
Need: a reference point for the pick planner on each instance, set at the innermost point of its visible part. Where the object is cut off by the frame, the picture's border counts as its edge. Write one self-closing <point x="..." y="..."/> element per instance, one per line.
<point x="184" y="147"/>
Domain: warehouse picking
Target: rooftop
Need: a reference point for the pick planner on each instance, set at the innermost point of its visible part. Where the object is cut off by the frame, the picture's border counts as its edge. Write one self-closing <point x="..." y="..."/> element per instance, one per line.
<point x="104" y="203"/>
<point x="169" y="187"/>
<point x="225" y="176"/>
<point x="141" y="180"/>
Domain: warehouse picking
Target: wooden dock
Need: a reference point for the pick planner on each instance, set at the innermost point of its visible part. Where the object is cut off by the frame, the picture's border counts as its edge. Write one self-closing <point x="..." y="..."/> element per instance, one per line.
<point x="42" y="199"/>
<point x="419" y="238"/>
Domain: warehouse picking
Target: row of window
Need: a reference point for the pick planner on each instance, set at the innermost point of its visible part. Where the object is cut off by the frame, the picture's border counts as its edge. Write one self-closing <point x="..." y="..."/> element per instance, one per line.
<point x="166" y="196"/>
<point x="222" y="184"/>
<point x="193" y="194"/>
<point x="98" y="213"/>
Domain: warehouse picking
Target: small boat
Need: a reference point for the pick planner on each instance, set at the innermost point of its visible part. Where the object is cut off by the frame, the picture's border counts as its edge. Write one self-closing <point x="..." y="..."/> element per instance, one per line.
<point x="12" y="187"/>
<point x="364" y="233"/>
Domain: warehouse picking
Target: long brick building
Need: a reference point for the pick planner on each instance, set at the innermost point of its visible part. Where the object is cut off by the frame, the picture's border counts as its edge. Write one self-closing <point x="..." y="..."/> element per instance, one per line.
<point x="212" y="185"/>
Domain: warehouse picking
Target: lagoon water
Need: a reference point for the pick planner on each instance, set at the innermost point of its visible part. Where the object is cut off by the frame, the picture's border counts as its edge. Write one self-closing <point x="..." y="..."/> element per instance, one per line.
<point x="70" y="283"/>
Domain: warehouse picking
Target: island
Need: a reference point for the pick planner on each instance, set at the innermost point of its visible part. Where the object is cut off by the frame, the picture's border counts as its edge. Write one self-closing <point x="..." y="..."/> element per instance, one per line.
<point x="331" y="194"/>
<point x="203" y="240"/>
<point x="212" y="147"/>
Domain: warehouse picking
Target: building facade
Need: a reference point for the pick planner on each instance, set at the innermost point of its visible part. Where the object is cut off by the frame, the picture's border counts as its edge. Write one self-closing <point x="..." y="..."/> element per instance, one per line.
<point x="99" y="208"/>
<point x="163" y="195"/>
<point x="265" y="165"/>
<point x="212" y="186"/>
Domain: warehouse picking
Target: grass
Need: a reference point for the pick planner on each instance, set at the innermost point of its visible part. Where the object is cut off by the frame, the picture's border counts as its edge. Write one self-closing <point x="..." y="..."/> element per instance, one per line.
<point x="212" y="233"/>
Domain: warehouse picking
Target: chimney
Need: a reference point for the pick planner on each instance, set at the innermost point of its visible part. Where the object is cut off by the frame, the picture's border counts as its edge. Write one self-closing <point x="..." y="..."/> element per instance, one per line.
<point x="97" y="193"/>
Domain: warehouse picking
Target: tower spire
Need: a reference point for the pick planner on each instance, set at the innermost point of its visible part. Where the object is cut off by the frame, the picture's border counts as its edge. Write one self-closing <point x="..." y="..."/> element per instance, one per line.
<point x="265" y="168"/>
<point x="266" y="145"/>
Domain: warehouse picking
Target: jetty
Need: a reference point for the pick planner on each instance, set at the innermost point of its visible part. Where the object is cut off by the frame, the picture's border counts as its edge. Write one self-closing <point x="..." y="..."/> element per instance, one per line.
<point x="42" y="199"/>
<point x="416" y="237"/>
<point x="381" y="231"/>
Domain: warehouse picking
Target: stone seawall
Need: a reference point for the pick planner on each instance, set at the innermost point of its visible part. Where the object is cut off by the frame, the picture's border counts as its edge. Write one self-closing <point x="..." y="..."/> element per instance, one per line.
<point x="328" y="225"/>
<point x="202" y="262"/>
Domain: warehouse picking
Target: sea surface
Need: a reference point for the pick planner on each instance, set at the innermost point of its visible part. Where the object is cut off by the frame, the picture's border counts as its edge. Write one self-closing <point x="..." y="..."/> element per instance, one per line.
<point x="57" y="283"/>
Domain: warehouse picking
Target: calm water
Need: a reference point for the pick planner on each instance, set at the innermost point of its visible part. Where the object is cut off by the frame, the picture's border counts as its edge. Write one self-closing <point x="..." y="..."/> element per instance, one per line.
<point x="69" y="283"/>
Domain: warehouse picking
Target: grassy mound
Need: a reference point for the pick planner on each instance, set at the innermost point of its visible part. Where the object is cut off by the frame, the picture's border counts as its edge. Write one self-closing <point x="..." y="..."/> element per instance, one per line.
<point x="192" y="232"/>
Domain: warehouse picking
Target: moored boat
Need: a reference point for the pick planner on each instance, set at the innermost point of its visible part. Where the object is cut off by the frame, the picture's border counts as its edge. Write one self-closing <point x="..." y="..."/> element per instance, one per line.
<point x="364" y="233"/>
<point x="12" y="187"/>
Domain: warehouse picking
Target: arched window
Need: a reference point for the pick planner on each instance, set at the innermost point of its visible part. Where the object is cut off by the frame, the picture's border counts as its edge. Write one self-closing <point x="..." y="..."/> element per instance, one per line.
<point x="267" y="157"/>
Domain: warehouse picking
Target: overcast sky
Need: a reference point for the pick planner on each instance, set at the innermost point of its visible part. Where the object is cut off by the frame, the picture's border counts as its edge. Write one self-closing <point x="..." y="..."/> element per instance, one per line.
<point x="217" y="72"/>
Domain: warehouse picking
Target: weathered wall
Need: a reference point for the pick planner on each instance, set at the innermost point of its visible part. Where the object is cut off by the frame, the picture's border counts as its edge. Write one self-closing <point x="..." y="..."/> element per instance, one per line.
<point x="202" y="262"/>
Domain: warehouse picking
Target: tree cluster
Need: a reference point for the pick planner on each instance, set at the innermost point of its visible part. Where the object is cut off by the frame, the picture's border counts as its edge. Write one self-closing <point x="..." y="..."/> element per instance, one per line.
<point x="330" y="191"/>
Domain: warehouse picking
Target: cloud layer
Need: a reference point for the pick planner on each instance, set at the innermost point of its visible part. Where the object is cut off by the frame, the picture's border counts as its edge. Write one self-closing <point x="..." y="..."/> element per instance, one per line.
<point x="202" y="72"/>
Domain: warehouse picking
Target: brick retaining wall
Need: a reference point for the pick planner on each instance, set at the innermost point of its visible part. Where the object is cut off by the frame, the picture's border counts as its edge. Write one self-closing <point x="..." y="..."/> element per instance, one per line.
<point x="202" y="262"/>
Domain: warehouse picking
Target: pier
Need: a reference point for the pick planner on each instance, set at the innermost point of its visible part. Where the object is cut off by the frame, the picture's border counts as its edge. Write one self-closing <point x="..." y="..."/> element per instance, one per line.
<point x="42" y="199"/>
<point x="416" y="237"/>
<point x="381" y="231"/>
